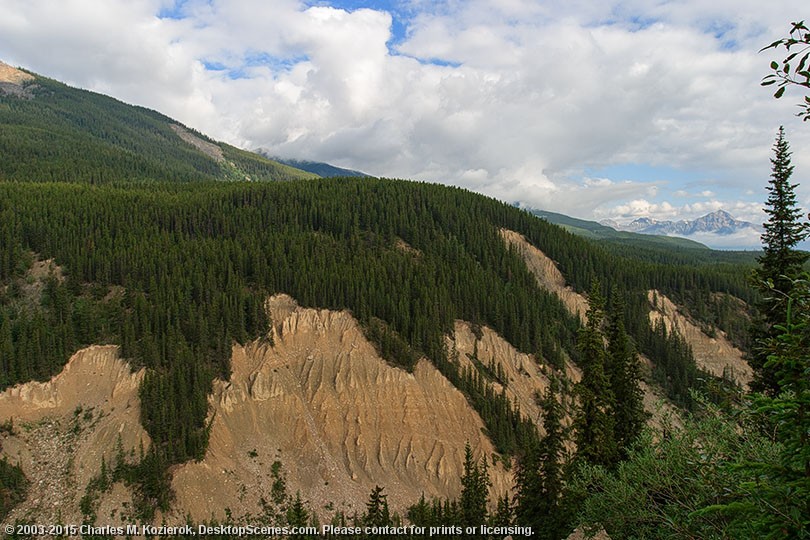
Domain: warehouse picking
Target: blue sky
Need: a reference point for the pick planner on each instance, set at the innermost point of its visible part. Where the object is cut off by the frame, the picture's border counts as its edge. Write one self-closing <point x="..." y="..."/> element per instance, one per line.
<point x="613" y="109"/>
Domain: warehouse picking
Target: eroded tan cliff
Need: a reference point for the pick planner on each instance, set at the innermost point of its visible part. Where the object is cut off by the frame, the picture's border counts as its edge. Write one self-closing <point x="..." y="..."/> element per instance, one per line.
<point x="337" y="417"/>
<point x="714" y="354"/>
<point x="63" y="428"/>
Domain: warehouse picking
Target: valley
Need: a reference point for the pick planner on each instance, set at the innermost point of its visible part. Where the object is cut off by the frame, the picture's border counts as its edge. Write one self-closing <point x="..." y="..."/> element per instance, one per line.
<point x="190" y="332"/>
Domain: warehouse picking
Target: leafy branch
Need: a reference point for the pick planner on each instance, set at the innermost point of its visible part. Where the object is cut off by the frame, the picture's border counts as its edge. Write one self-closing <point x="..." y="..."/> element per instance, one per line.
<point x="794" y="69"/>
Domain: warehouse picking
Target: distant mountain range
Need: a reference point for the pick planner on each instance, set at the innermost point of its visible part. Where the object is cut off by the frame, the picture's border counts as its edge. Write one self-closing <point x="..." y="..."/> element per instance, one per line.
<point x="719" y="222"/>
<point x="718" y="230"/>
<point x="324" y="170"/>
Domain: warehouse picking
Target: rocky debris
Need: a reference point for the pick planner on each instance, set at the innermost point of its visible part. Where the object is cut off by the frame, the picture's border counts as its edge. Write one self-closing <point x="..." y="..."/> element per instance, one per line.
<point x="208" y="148"/>
<point x="15" y="82"/>
<point x="65" y="427"/>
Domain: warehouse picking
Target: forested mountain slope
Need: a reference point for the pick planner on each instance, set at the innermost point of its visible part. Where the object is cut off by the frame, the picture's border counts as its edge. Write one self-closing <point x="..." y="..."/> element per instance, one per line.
<point x="116" y="229"/>
<point x="52" y="132"/>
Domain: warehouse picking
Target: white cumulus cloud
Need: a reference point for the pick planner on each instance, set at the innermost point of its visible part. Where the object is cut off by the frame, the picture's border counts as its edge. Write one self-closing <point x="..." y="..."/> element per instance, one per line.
<point x="517" y="99"/>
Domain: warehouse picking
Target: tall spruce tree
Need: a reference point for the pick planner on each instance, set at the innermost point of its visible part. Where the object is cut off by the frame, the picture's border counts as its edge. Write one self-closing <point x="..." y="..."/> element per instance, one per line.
<point x="594" y="423"/>
<point x="781" y="503"/>
<point x="784" y="230"/>
<point x="781" y="262"/>
<point x="624" y="373"/>
<point x="377" y="512"/>
<point x="475" y="490"/>
<point x="539" y="476"/>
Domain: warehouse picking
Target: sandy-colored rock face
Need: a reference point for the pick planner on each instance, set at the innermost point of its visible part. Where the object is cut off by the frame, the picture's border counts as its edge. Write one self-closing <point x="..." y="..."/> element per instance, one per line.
<point x="13" y="75"/>
<point x="713" y="354"/>
<point x="524" y="377"/>
<point x="322" y="402"/>
<point x="546" y="272"/>
<point x="64" y="427"/>
<point x="549" y="277"/>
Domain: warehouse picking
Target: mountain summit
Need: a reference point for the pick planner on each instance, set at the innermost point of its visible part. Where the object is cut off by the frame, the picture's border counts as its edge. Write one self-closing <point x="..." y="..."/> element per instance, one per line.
<point x="12" y="75"/>
<point x="50" y="131"/>
<point x="718" y="222"/>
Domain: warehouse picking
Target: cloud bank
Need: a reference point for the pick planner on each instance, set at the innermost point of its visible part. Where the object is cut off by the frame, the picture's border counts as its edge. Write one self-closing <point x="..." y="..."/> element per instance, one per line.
<point x="591" y="109"/>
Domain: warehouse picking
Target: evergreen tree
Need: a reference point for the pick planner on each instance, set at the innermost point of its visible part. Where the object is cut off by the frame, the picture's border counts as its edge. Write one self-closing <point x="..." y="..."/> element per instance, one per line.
<point x="377" y="513"/>
<point x="539" y="475"/>
<point x="624" y="374"/>
<point x="504" y="513"/>
<point x="475" y="490"/>
<point x="594" y="423"/>
<point x="784" y="230"/>
<point x="781" y="262"/>
<point x="781" y="500"/>
<point x="297" y="514"/>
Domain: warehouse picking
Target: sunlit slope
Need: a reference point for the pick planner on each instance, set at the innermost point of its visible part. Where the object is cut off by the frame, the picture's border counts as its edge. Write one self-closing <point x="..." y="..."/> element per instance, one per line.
<point x="52" y="132"/>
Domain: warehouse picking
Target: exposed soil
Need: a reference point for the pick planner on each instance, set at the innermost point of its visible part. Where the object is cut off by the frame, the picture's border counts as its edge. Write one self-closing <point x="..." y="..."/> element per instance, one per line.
<point x="337" y="417"/>
<point x="209" y="149"/>
<point x="549" y="277"/>
<point x="63" y="429"/>
<point x="714" y="354"/>
<point x="13" y="75"/>
<point x="546" y="272"/>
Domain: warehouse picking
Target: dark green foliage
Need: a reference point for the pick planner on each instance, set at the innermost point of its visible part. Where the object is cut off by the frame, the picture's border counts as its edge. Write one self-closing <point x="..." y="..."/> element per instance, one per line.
<point x="781" y="262"/>
<point x="64" y="134"/>
<point x="674" y="367"/>
<point x="668" y="479"/>
<point x="504" y="512"/>
<point x="540" y="474"/>
<point x="278" y="490"/>
<point x="391" y="345"/>
<point x="594" y="424"/>
<point x="193" y="264"/>
<point x="624" y="376"/>
<point x="785" y="228"/>
<point x="377" y="513"/>
<point x="474" y="491"/>
<point x="775" y="500"/>
<point x="297" y="514"/>
<point x="13" y="486"/>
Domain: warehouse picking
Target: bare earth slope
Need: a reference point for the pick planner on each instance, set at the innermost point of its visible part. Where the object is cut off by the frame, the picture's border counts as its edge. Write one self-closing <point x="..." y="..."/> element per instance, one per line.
<point x="550" y="277"/>
<point x="13" y="75"/>
<point x="209" y="149"/>
<point x="525" y="379"/>
<point x="63" y="428"/>
<point x="322" y="402"/>
<point x="546" y="272"/>
<point x="713" y="354"/>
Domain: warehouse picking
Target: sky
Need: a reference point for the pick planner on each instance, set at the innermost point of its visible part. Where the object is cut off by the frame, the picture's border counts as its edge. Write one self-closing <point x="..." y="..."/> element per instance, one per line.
<point x="596" y="109"/>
